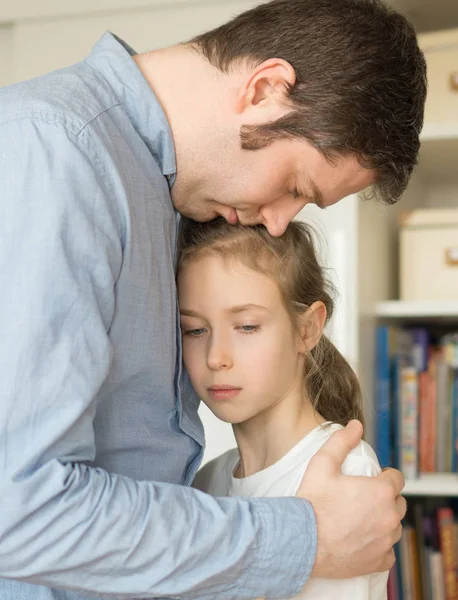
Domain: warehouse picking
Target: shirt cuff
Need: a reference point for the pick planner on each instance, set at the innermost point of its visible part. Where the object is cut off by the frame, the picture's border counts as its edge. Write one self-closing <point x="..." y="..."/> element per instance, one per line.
<point x="287" y="547"/>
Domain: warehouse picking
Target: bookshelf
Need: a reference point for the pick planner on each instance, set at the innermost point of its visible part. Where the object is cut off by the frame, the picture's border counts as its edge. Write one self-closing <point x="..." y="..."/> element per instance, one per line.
<point x="399" y="309"/>
<point x="433" y="484"/>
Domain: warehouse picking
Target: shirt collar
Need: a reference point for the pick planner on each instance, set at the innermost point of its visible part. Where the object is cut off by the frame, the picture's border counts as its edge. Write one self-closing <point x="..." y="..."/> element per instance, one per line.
<point x="112" y="57"/>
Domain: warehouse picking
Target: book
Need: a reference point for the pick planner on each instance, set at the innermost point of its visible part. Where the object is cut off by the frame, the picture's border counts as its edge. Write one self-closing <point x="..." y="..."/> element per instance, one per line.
<point x="437" y="575"/>
<point x="443" y="417"/>
<point x="447" y="547"/>
<point x="426" y="407"/>
<point x="409" y="423"/>
<point x="418" y="519"/>
<point x="383" y="438"/>
<point x="406" y="579"/>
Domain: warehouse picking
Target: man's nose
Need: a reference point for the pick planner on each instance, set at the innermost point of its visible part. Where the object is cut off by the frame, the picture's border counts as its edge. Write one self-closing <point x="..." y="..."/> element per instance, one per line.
<point x="278" y="214"/>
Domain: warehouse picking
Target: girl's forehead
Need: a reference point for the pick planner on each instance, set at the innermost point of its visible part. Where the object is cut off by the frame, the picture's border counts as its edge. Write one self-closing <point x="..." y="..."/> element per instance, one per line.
<point x="252" y="270"/>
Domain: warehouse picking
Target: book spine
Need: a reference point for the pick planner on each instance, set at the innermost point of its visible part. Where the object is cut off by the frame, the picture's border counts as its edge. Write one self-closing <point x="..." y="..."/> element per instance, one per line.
<point x="409" y="404"/>
<point x="382" y="397"/>
<point x="447" y="546"/>
<point x="424" y="402"/>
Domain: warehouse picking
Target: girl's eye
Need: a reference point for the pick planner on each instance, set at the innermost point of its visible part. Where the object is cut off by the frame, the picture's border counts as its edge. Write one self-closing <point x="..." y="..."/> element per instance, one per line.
<point x="194" y="332"/>
<point x="295" y="194"/>
<point x="248" y="328"/>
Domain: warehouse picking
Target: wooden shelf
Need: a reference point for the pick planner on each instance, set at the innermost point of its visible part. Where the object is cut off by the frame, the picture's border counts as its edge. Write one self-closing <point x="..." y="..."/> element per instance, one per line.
<point x="434" y="484"/>
<point x="439" y="131"/>
<point x="399" y="309"/>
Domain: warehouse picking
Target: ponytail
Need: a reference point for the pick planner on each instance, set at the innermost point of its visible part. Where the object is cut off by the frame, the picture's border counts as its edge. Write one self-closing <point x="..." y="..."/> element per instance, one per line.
<point x="332" y="384"/>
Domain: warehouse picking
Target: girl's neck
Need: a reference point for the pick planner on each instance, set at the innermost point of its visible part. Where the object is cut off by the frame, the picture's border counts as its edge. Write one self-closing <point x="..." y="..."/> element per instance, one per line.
<point x="267" y="437"/>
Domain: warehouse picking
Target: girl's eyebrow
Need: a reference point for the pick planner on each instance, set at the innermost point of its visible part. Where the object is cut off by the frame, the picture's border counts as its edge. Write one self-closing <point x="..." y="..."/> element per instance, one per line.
<point x="188" y="313"/>
<point x="233" y="310"/>
<point x="243" y="307"/>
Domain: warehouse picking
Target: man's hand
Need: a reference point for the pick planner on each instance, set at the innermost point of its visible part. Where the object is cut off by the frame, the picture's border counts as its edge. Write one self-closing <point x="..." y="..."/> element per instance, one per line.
<point x="358" y="518"/>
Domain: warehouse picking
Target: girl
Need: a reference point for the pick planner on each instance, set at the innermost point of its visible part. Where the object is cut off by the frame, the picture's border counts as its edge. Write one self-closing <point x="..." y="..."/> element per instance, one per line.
<point x="253" y="308"/>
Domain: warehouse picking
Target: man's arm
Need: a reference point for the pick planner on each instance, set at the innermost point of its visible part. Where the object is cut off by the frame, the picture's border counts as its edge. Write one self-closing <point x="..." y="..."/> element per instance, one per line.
<point x="63" y="523"/>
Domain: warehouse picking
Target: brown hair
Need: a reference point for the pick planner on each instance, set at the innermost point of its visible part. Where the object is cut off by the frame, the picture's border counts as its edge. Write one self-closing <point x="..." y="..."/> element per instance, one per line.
<point x="291" y="261"/>
<point x="361" y="80"/>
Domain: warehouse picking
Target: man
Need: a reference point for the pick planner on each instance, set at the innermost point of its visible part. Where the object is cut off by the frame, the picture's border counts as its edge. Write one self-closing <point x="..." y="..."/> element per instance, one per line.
<point x="296" y="101"/>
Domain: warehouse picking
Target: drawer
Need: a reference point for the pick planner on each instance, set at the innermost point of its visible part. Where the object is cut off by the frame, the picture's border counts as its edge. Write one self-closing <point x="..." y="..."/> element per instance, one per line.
<point x="441" y="53"/>
<point x="429" y="255"/>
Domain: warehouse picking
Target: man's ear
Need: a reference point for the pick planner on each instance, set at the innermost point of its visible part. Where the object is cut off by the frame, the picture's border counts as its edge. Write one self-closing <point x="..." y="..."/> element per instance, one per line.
<point x="266" y="87"/>
<point x="312" y="323"/>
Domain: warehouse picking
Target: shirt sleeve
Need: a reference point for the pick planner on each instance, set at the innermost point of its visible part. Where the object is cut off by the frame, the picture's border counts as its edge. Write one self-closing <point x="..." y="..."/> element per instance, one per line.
<point x="362" y="461"/>
<point x="63" y="522"/>
<point x="369" y="587"/>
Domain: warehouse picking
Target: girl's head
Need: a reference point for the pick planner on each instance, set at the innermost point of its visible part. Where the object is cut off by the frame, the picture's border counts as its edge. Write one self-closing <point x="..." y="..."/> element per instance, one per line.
<point x="253" y="308"/>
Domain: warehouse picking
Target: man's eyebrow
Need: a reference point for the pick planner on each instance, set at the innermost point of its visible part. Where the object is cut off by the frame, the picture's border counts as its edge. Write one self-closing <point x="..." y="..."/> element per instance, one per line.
<point x="317" y="195"/>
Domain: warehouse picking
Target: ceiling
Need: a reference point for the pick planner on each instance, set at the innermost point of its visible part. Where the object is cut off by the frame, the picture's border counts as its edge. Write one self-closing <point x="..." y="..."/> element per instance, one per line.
<point x="429" y="15"/>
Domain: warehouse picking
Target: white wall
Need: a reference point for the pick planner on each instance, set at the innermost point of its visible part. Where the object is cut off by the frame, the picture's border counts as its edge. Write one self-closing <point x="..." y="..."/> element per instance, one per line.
<point x="43" y="45"/>
<point x="337" y="229"/>
<point x="21" y="10"/>
<point x="6" y="56"/>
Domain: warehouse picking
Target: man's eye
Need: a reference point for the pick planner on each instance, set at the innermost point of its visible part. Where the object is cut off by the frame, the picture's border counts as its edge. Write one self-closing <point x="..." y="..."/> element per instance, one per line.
<point x="194" y="332"/>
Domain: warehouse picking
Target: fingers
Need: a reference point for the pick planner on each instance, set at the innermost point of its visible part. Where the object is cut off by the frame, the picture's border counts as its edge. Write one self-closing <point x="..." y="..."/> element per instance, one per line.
<point x="395" y="479"/>
<point x="356" y="428"/>
<point x="401" y="506"/>
<point x="389" y="562"/>
<point x="332" y="454"/>
<point x="397" y="535"/>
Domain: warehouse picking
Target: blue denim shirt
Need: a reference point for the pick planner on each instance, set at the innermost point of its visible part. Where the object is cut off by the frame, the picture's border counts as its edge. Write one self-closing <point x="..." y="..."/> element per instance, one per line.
<point x="99" y="432"/>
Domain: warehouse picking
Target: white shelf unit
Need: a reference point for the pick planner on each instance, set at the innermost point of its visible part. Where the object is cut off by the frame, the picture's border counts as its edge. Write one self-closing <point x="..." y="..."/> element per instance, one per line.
<point x="398" y="309"/>
<point x="433" y="484"/>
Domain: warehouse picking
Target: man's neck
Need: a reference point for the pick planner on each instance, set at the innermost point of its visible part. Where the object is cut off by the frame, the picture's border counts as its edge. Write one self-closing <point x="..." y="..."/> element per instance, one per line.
<point x="198" y="100"/>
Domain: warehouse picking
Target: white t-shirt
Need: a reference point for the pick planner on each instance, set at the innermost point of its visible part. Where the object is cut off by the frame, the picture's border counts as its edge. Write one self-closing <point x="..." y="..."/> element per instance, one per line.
<point x="283" y="479"/>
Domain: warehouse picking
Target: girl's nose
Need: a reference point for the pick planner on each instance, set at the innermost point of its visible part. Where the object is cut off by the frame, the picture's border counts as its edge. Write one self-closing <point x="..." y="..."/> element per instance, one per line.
<point x="219" y="355"/>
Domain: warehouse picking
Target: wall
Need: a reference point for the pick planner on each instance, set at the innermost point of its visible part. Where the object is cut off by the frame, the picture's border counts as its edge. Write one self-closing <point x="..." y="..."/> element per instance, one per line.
<point x="6" y="57"/>
<point x="69" y="39"/>
<point x="22" y="10"/>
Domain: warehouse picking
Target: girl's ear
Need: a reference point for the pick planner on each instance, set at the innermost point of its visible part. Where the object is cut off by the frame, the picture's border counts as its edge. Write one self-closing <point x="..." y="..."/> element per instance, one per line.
<point x="312" y="323"/>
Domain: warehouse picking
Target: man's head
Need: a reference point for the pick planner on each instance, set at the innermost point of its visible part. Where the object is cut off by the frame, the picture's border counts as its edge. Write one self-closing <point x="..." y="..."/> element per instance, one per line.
<point x="302" y="100"/>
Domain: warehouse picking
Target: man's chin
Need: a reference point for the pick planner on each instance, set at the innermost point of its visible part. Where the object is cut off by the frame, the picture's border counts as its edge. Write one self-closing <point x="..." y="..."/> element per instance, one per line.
<point x="207" y="210"/>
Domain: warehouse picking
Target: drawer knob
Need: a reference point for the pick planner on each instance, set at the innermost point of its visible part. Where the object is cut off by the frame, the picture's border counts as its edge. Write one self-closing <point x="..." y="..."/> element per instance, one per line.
<point x="451" y="256"/>
<point x="454" y="81"/>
